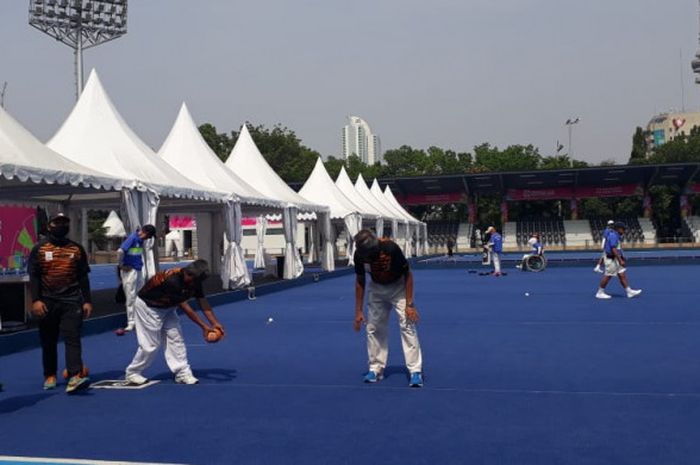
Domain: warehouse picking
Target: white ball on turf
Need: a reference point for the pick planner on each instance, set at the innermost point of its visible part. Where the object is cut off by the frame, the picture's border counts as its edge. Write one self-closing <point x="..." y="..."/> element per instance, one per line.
<point x="527" y="294"/>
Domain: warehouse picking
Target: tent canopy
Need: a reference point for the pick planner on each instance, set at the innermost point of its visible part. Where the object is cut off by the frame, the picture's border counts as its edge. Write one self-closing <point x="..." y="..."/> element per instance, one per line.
<point x="24" y="157"/>
<point x="402" y="214"/>
<point x="345" y="185"/>
<point x="248" y="163"/>
<point x="186" y="150"/>
<point x="379" y="204"/>
<point x="319" y="188"/>
<point x="392" y="200"/>
<point x="95" y="135"/>
<point x="114" y="226"/>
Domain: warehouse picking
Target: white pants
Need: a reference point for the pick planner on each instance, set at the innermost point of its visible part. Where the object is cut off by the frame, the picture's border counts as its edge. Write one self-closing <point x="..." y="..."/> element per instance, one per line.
<point x="132" y="282"/>
<point x="496" y="257"/>
<point x="381" y="300"/>
<point x="155" y="326"/>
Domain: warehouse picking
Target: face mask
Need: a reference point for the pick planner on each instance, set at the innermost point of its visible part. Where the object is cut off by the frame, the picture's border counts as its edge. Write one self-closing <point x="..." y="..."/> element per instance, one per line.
<point x="59" y="232"/>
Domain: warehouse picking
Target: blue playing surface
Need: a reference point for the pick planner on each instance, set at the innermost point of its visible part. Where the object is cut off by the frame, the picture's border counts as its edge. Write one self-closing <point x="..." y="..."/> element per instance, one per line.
<point x="554" y="378"/>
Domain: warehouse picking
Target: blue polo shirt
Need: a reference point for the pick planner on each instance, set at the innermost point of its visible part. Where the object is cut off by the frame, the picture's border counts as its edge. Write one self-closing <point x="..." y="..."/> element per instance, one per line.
<point x="133" y="251"/>
<point x="497" y="242"/>
<point x="537" y="248"/>
<point x="612" y="241"/>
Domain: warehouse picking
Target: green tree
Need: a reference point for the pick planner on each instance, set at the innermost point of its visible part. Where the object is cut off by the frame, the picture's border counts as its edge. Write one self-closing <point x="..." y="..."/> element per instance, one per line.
<point x="513" y="158"/>
<point x="639" y="147"/>
<point x="221" y="144"/>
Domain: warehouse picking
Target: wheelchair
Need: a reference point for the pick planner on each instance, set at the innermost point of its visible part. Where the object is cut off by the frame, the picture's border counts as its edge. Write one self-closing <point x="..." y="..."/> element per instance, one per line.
<point x="535" y="263"/>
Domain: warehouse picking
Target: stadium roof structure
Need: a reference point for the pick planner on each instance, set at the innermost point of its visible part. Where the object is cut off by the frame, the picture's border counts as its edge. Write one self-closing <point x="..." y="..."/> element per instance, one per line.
<point x="608" y="180"/>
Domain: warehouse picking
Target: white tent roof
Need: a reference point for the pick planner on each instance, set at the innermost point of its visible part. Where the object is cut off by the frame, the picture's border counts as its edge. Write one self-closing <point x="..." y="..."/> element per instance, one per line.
<point x="24" y="157"/>
<point x="95" y="135"/>
<point x="248" y="163"/>
<point x="114" y="226"/>
<point x="320" y="188"/>
<point x="376" y="191"/>
<point x="186" y="150"/>
<point x="378" y="204"/>
<point x="345" y="185"/>
<point x="392" y="200"/>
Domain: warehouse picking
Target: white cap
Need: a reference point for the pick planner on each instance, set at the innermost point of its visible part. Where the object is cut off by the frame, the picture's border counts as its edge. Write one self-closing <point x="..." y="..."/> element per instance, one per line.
<point x="611" y="222"/>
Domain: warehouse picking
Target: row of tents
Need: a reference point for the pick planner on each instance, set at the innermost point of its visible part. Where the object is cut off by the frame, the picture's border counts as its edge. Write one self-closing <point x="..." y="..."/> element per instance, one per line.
<point x="95" y="161"/>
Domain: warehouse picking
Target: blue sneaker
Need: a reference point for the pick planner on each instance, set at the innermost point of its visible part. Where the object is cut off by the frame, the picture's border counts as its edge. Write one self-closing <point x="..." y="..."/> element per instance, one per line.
<point x="371" y="377"/>
<point x="416" y="379"/>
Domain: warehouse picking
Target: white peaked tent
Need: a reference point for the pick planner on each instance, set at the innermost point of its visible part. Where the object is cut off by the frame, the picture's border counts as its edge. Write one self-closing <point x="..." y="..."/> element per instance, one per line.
<point x="369" y="213"/>
<point x="249" y="164"/>
<point x="24" y="158"/>
<point x="186" y="151"/>
<point x="114" y="226"/>
<point x="417" y="226"/>
<point x="321" y="189"/>
<point x="387" y="215"/>
<point x="95" y="135"/>
<point x="399" y="236"/>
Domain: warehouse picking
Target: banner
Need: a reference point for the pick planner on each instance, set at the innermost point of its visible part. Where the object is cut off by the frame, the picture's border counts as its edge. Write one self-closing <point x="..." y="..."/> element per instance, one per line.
<point x="431" y="199"/>
<point x="182" y="222"/>
<point x="17" y="235"/>
<point x="557" y="193"/>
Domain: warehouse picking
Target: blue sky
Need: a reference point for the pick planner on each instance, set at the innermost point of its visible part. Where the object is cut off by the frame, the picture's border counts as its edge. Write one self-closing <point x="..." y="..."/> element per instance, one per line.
<point x="448" y="73"/>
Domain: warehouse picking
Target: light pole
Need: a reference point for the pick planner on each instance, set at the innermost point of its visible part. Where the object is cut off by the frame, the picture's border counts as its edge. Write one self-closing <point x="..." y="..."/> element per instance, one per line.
<point x="570" y="124"/>
<point x="80" y="24"/>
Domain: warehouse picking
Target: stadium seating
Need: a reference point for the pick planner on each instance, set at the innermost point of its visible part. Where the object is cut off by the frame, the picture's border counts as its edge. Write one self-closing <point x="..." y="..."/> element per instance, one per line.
<point x="551" y="231"/>
<point x="635" y="233"/>
<point x="693" y="223"/>
<point x="578" y="233"/>
<point x="440" y="231"/>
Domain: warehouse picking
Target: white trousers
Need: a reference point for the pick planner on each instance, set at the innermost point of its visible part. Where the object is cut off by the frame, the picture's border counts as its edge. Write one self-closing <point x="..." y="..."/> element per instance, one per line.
<point x="132" y="282"/>
<point x="496" y="262"/>
<point x="382" y="300"/>
<point x="155" y="326"/>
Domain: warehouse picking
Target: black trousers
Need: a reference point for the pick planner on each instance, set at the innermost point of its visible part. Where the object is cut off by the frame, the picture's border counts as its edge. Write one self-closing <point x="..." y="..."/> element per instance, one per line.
<point x="65" y="318"/>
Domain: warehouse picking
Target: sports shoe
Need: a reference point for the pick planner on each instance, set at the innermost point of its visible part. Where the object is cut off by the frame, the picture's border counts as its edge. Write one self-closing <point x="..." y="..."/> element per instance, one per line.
<point x="49" y="382"/>
<point x="416" y="379"/>
<point x="76" y="383"/>
<point x="130" y="326"/>
<point x="187" y="378"/>
<point x="602" y="295"/>
<point x="135" y="378"/>
<point x="598" y="269"/>
<point x="632" y="293"/>
<point x="371" y="377"/>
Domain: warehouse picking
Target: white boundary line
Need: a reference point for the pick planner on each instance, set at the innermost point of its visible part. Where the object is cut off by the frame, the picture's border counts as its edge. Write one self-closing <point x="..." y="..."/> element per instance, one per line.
<point x="8" y="458"/>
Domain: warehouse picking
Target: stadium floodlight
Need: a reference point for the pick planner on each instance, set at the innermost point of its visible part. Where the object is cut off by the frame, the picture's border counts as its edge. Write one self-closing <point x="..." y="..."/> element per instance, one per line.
<point x="80" y="24"/>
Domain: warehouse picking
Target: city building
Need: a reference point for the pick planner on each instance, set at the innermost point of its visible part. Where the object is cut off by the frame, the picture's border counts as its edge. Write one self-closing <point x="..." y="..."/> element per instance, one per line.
<point x="667" y="126"/>
<point x="359" y="140"/>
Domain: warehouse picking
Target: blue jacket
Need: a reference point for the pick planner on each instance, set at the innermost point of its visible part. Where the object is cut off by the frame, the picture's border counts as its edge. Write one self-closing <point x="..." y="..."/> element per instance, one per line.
<point x="133" y="251"/>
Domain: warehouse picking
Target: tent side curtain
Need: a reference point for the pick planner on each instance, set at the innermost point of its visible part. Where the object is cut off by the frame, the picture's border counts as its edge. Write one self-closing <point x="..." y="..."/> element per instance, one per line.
<point x="327" y="250"/>
<point x="293" y="266"/>
<point x="353" y="224"/>
<point x="234" y="272"/>
<point x="141" y="208"/>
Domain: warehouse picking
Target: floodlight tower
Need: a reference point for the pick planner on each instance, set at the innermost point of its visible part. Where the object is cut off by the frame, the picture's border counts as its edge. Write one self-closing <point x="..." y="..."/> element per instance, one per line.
<point x="696" y="62"/>
<point x="80" y="24"/>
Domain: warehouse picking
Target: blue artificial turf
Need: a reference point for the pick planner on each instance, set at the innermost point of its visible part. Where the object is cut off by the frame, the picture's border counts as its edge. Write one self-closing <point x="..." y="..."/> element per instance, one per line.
<point x="556" y="377"/>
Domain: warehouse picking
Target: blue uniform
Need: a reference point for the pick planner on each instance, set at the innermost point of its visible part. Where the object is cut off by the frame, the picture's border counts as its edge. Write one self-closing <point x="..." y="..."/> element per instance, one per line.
<point x="497" y="242"/>
<point x="612" y="241"/>
<point x="537" y="248"/>
<point x="133" y="251"/>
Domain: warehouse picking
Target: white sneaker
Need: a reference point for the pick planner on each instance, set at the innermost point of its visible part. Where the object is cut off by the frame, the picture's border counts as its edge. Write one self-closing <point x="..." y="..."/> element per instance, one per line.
<point x="602" y="295"/>
<point x="130" y="326"/>
<point x="135" y="378"/>
<point x="598" y="269"/>
<point x="187" y="378"/>
<point x="632" y="293"/>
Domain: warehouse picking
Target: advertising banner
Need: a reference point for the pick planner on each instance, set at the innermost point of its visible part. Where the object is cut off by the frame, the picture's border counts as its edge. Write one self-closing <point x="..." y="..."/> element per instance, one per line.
<point x="557" y="193"/>
<point x="431" y="199"/>
<point x="18" y="235"/>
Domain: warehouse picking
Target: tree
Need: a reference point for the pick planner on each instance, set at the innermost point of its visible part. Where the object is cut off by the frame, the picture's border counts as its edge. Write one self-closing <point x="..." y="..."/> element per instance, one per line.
<point x="639" y="146"/>
<point x="513" y="158"/>
<point x="221" y="144"/>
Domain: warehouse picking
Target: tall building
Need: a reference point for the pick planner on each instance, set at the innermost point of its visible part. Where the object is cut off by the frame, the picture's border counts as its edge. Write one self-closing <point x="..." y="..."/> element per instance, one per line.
<point x="359" y="140"/>
<point x="667" y="126"/>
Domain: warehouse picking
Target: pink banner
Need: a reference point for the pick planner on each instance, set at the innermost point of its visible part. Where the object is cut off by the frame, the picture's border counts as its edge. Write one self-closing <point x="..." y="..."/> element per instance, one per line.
<point x="252" y="221"/>
<point x="431" y="199"/>
<point x="17" y="234"/>
<point x="182" y="222"/>
<point x="693" y="188"/>
<point x="556" y="193"/>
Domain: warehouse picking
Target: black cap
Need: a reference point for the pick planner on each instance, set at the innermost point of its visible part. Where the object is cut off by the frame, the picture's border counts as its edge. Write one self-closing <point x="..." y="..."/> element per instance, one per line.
<point x="59" y="218"/>
<point x="619" y="225"/>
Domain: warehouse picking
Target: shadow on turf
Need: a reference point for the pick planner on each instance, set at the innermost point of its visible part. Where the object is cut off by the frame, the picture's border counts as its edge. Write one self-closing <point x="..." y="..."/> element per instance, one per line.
<point x="395" y="370"/>
<point x="14" y="404"/>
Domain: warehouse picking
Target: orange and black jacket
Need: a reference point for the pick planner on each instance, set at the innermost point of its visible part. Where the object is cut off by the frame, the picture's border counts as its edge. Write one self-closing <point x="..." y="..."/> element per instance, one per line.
<point x="167" y="289"/>
<point x="58" y="269"/>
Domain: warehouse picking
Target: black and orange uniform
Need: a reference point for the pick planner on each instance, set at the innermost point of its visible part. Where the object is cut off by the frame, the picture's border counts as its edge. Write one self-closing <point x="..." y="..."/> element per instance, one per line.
<point x="166" y="289"/>
<point x="387" y="267"/>
<point x="58" y="276"/>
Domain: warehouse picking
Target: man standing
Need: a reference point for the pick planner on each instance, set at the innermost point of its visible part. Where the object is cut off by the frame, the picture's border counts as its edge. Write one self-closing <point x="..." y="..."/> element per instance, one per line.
<point x="58" y="277"/>
<point x="157" y="321"/>
<point x="391" y="288"/>
<point x="495" y="246"/>
<point x="615" y="263"/>
<point x="130" y="257"/>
